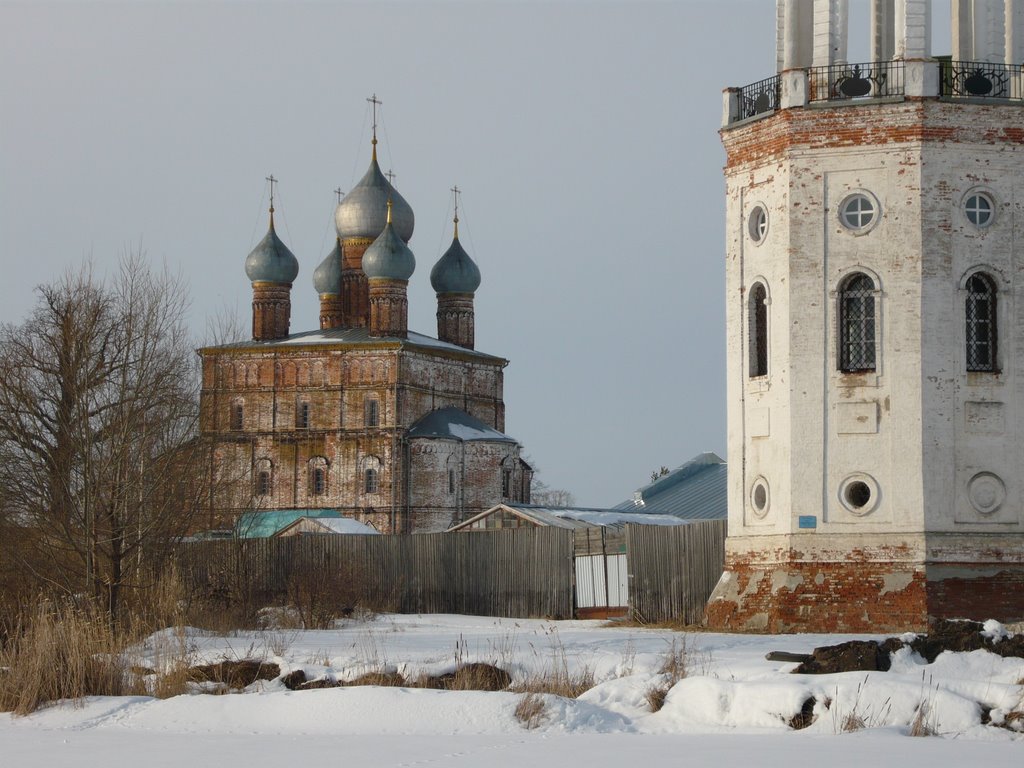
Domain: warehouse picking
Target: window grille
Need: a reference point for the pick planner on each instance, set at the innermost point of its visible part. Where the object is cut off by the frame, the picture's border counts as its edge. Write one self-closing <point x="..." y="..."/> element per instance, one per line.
<point x="857" y="325"/>
<point x="302" y="416"/>
<point x="263" y="483"/>
<point x="758" y="332"/>
<point x="370" y="481"/>
<point x="237" y="416"/>
<point x="451" y="481"/>
<point x="506" y="483"/>
<point x="319" y="481"/>
<point x="372" y="413"/>
<point x="981" y="323"/>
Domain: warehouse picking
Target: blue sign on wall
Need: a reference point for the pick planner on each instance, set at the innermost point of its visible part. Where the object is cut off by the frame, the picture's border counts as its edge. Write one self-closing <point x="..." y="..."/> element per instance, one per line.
<point x="808" y="521"/>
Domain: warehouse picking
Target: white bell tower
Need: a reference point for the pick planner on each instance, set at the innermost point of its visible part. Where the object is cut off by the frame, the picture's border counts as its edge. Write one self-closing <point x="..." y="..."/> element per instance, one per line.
<point x="875" y="310"/>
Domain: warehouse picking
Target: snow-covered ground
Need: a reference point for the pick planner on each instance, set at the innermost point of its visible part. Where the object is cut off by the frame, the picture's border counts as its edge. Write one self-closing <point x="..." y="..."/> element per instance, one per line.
<point x="732" y="708"/>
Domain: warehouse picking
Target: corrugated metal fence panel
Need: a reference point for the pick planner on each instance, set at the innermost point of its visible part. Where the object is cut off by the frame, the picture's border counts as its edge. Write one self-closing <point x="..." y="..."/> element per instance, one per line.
<point x="515" y="573"/>
<point x="673" y="569"/>
<point x="590" y="585"/>
<point x="618" y="581"/>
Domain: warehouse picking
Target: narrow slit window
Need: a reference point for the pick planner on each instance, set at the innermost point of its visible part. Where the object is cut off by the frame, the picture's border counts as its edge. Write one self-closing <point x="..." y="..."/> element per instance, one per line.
<point x="319" y="481"/>
<point x="237" y="416"/>
<point x="758" y="332"/>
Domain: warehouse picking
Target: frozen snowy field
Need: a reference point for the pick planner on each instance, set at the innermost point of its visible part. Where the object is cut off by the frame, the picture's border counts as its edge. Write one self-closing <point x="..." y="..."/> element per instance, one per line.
<point x="732" y="708"/>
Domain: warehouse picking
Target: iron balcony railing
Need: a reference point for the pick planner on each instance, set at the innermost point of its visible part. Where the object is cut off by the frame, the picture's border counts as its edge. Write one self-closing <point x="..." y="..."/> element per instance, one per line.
<point x="982" y="80"/>
<point x="845" y="82"/>
<point x="759" y="98"/>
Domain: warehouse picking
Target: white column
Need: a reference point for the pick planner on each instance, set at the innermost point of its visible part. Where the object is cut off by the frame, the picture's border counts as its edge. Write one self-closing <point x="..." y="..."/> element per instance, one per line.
<point x="981" y="10"/>
<point x="883" y="27"/>
<point x="963" y="30"/>
<point x="840" y="31"/>
<point x="913" y="34"/>
<point x="791" y="34"/>
<point x="826" y="32"/>
<point x="780" y="35"/>
<point x="1014" y="31"/>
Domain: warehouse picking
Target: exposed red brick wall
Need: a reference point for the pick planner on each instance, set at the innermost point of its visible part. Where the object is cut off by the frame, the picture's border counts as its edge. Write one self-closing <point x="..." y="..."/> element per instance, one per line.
<point x="914" y="120"/>
<point x="355" y="291"/>
<point x="821" y="597"/>
<point x="271" y="311"/>
<point x="972" y="592"/>
<point x="389" y="308"/>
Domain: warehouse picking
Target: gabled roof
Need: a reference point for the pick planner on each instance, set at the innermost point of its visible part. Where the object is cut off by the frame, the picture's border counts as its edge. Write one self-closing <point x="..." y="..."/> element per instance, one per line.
<point x="574" y="517"/>
<point x="455" y="424"/>
<point x="333" y="337"/>
<point x="262" y="524"/>
<point x="695" y="491"/>
<point x="331" y="525"/>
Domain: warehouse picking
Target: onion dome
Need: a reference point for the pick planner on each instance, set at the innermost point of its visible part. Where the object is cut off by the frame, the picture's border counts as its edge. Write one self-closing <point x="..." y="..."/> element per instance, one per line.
<point x="455" y="271"/>
<point x="363" y="212"/>
<point x="388" y="257"/>
<point x="327" y="276"/>
<point x="271" y="261"/>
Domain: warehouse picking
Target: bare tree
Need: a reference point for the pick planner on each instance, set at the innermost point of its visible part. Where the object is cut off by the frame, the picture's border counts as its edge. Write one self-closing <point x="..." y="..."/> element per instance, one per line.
<point x="544" y="495"/>
<point x="98" y="408"/>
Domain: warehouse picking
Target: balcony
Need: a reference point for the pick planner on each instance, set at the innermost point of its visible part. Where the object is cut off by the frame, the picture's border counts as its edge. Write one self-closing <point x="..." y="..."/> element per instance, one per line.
<point x="839" y="84"/>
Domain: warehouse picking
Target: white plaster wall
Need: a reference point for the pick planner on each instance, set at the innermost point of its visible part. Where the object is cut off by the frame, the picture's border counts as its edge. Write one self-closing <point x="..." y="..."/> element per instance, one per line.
<point x="921" y="451"/>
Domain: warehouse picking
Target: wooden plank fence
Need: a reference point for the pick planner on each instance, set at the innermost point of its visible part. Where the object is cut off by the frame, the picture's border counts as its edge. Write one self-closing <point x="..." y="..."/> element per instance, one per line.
<point x="523" y="572"/>
<point x="514" y="573"/>
<point x="673" y="569"/>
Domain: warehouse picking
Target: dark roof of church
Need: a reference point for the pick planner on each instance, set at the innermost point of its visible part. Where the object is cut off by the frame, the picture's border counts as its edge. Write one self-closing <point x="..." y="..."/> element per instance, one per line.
<point x="356" y="336"/>
<point x="695" y="491"/>
<point x="455" y="424"/>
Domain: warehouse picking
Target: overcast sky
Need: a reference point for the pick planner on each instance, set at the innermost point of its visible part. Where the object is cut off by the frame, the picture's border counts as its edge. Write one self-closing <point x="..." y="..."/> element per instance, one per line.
<point x="584" y="137"/>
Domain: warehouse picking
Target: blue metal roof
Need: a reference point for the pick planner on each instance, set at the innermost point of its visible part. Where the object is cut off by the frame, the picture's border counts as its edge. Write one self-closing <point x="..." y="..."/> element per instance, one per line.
<point x="695" y="491"/>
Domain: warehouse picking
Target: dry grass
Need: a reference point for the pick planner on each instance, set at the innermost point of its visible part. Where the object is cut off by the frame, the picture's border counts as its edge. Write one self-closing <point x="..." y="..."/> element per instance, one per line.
<point x="62" y="652"/>
<point x="675" y="665"/>
<point x="923" y="723"/>
<point x="531" y="710"/>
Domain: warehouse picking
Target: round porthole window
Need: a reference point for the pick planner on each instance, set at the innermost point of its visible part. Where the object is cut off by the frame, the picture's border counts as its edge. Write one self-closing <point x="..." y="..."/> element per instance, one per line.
<point x="757" y="223"/>
<point x="760" y="500"/>
<point x="859" y="494"/>
<point x="979" y="209"/>
<point x="858" y="212"/>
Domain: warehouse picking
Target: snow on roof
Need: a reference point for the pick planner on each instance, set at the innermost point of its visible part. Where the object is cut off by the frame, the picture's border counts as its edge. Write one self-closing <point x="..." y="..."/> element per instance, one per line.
<point x="455" y="424"/>
<point x="576" y="517"/>
<point x="340" y="525"/>
<point x="334" y="336"/>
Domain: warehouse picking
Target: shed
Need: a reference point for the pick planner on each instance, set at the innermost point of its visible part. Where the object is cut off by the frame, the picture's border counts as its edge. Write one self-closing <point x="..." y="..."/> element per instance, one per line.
<point x="331" y="526"/>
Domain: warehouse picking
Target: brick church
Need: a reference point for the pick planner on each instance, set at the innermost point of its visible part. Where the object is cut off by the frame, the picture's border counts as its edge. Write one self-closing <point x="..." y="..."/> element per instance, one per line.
<point x="362" y="416"/>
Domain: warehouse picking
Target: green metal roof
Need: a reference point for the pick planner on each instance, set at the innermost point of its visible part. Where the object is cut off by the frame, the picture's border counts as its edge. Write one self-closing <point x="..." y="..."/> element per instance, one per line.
<point x="265" y="523"/>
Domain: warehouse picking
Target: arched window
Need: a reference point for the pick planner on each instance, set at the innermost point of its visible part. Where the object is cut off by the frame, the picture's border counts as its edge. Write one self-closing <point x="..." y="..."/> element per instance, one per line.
<point x="857" y="324"/>
<point x="757" y="329"/>
<point x="263" y="486"/>
<point x="237" y="414"/>
<point x="451" y="481"/>
<point x="370" y="481"/>
<point x="319" y="481"/>
<point x="317" y="476"/>
<point x="371" y="412"/>
<point x="980" y="315"/>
